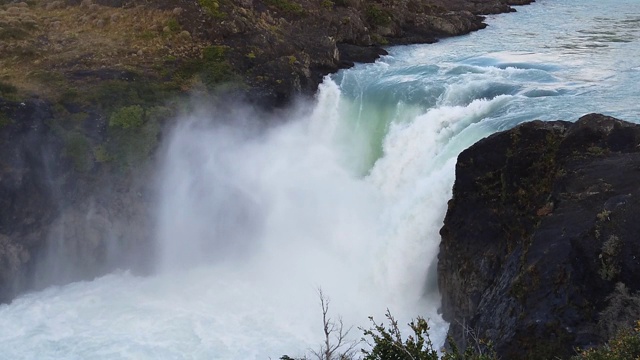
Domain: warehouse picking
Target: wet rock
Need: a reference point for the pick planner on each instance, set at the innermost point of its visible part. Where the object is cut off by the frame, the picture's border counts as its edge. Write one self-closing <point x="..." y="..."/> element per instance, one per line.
<point x="540" y="233"/>
<point x="57" y="226"/>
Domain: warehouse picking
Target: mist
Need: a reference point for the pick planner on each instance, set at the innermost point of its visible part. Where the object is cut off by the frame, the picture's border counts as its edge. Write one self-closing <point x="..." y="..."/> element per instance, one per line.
<point x="283" y="211"/>
<point x="249" y="216"/>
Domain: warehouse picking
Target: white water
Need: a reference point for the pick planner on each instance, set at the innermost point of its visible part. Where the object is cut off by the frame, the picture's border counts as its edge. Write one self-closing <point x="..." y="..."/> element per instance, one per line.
<point x="347" y="195"/>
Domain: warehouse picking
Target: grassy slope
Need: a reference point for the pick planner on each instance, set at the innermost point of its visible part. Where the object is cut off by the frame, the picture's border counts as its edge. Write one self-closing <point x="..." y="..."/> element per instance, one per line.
<point x="45" y="45"/>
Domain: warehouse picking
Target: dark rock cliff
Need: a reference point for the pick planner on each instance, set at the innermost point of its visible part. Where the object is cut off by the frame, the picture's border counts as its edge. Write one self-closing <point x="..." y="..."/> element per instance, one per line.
<point x="540" y="251"/>
<point x="60" y="223"/>
<point x="284" y="47"/>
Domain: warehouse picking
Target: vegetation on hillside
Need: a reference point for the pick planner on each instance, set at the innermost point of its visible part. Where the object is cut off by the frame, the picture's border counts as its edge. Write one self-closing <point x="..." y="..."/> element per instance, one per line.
<point x="386" y="342"/>
<point x="625" y="345"/>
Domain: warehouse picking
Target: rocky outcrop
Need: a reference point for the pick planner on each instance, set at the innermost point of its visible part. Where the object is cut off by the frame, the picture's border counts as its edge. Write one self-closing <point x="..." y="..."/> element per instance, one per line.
<point x="58" y="222"/>
<point x="285" y="47"/>
<point x="540" y="252"/>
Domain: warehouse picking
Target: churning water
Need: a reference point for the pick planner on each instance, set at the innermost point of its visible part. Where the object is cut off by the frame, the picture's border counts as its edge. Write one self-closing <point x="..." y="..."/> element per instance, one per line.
<point x="347" y="195"/>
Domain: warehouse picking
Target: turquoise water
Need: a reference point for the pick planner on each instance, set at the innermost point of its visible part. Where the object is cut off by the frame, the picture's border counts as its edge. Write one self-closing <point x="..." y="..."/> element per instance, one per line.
<point x="553" y="60"/>
<point x="348" y="195"/>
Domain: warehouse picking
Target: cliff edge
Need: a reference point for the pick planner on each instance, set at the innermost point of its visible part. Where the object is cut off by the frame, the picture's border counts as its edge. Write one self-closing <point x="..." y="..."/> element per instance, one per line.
<point x="540" y="251"/>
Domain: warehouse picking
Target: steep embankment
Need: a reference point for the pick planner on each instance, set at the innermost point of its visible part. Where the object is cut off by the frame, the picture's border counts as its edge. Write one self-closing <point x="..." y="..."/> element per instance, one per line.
<point x="270" y="49"/>
<point x="87" y="86"/>
<point x="539" y="249"/>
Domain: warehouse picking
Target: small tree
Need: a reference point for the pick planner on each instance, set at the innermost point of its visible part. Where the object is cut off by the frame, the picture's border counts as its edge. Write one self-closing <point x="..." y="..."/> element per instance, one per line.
<point x="388" y="343"/>
<point x="336" y="345"/>
<point x="623" y="346"/>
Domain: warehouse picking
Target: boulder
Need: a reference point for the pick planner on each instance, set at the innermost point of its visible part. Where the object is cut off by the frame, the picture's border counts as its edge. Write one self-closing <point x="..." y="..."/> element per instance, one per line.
<point x="540" y="242"/>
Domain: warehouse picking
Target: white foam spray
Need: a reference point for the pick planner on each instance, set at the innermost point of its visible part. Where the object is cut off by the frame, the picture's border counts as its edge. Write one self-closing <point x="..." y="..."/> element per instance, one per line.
<point x="252" y="221"/>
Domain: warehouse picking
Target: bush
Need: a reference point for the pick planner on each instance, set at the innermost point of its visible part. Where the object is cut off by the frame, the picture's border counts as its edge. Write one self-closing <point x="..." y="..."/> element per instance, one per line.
<point x="128" y="117"/>
<point x="625" y="345"/>
<point x="7" y="89"/>
<point x="377" y="16"/>
<point x="343" y="3"/>
<point x="327" y="4"/>
<point x="388" y="343"/>
<point x="211" y="7"/>
<point x="213" y="68"/>
<point x="621" y="310"/>
<point x="287" y="6"/>
<point x="101" y="154"/>
<point x="4" y="120"/>
<point x="77" y="148"/>
<point x="173" y="25"/>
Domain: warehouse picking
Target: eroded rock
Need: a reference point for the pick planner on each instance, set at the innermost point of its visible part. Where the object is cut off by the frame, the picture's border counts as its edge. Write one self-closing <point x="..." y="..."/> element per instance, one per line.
<point x="541" y="231"/>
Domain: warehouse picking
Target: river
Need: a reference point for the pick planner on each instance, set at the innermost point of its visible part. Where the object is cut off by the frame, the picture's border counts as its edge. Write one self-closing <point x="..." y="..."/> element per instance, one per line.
<point x="347" y="195"/>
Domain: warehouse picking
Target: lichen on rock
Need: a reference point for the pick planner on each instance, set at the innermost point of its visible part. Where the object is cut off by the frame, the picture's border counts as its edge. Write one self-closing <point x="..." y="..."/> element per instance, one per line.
<point x="538" y="234"/>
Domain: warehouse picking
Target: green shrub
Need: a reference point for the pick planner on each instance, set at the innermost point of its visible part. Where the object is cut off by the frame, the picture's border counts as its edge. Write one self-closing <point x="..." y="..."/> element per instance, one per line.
<point x="213" y="68"/>
<point x="377" y="16"/>
<point x="78" y="117"/>
<point x="101" y="154"/>
<point x="328" y="4"/>
<point x="77" y="148"/>
<point x="173" y="25"/>
<point x="110" y="95"/>
<point x="211" y="7"/>
<point x="215" y="53"/>
<point x="7" y="89"/>
<point x="160" y="113"/>
<point x="387" y="343"/>
<point x="380" y="40"/>
<point x="12" y="33"/>
<point x="128" y="117"/>
<point x="624" y="346"/>
<point x="4" y="120"/>
<point x="287" y="6"/>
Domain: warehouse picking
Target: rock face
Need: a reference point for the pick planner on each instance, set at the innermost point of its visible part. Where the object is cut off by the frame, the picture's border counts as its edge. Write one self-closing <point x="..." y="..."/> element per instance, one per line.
<point x="58" y="225"/>
<point x="285" y="47"/>
<point x="540" y="251"/>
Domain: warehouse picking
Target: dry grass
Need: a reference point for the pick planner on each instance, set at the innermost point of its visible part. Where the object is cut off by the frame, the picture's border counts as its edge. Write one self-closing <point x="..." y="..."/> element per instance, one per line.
<point x="42" y="41"/>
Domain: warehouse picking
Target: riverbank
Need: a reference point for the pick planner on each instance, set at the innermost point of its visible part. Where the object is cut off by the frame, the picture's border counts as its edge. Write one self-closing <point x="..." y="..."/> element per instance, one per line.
<point x="267" y="50"/>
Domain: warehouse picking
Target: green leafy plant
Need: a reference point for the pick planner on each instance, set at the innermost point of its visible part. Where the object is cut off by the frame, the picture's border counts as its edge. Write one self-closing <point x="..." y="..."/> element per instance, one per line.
<point x="128" y="117"/>
<point x="387" y="342"/>
<point x="7" y="89"/>
<point x="287" y="6"/>
<point x="77" y="148"/>
<point x="173" y="25"/>
<point x="328" y="4"/>
<point x="213" y="68"/>
<point x="101" y="154"/>
<point x="343" y="3"/>
<point x="377" y="16"/>
<point x="212" y="7"/>
<point x="623" y="346"/>
<point x="4" y="120"/>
